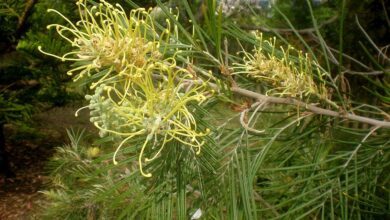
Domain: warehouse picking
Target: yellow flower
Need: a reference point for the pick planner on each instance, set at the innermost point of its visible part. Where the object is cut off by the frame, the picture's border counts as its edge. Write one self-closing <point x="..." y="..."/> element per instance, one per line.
<point x="107" y="39"/>
<point x="160" y="113"/>
<point x="138" y="89"/>
<point x="290" y="74"/>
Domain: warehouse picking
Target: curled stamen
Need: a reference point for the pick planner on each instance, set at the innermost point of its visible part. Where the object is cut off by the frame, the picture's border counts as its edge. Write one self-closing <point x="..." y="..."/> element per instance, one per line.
<point x="140" y="161"/>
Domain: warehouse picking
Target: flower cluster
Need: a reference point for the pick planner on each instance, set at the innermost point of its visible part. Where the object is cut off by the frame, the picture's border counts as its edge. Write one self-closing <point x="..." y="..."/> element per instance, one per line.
<point x="106" y="38"/>
<point x="138" y="89"/>
<point x="290" y="75"/>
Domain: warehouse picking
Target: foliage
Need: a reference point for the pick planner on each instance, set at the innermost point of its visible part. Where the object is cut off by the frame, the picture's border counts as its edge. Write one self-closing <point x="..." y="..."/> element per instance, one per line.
<point x="186" y="128"/>
<point x="21" y="61"/>
<point x="11" y="111"/>
<point x="28" y="80"/>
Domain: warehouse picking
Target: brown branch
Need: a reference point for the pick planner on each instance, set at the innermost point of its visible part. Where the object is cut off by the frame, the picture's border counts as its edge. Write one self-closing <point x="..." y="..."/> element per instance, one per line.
<point x="298" y="103"/>
<point x="244" y="124"/>
<point x="22" y="23"/>
<point x="310" y="107"/>
<point x="291" y="101"/>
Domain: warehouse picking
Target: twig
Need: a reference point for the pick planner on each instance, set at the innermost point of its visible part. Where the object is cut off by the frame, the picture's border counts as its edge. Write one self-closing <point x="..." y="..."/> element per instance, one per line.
<point x="295" y="102"/>
<point x="258" y="105"/>
<point x="370" y="73"/>
<point x="22" y="23"/>
<point x="345" y="55"/>
<point x="310" y="107"/>
<point x="371" y="41"/>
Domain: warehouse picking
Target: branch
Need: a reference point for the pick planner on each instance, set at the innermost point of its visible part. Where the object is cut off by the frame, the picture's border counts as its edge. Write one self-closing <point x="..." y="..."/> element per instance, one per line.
<point x="310" y="107"/>
<point x="244" y="124"/>
<point x="22" y="23"/>
<point x="380" y="53"/>
<point x="291" y="101"/>
<point x="288" y="101"/>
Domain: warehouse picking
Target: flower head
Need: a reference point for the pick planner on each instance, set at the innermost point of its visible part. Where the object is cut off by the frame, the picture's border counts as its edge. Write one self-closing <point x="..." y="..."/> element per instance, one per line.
<point x="105" y="38"/>
<point x="138" y="90"/>
<point x="290" y="74"/>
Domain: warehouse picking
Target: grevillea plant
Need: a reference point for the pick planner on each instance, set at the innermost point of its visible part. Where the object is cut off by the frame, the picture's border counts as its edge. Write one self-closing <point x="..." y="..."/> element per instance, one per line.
<point x="223" y="123"/>
<point x="138" y="90"/>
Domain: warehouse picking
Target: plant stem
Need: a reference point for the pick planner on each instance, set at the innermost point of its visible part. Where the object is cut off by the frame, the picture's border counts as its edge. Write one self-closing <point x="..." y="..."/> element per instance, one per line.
<point x="310" y="107"/>
<point x="291" y="101"/>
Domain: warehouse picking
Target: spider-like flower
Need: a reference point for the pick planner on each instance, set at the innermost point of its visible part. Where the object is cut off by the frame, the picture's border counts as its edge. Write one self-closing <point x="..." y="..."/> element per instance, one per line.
<point x="289" y="75"/>
<point x="154" y="109"/>
<point x="107" y="39"/>
<point x="139" y="91"/>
